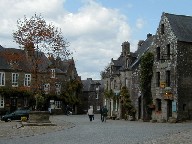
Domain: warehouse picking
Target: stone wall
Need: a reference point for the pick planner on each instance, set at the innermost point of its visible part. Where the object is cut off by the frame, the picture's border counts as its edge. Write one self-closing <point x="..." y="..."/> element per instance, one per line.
<point x="184" y="69"/>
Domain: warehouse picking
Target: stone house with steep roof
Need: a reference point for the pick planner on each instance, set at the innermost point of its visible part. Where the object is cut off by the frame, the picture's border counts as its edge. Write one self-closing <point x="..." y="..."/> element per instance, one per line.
<point x="92" y="95"/>
<point x="29" y="73"/>
<point x="117" y="75"/>
<point x="136" y="95"/>
<point x="172" y="71"/>
<point x="171" y="85"/>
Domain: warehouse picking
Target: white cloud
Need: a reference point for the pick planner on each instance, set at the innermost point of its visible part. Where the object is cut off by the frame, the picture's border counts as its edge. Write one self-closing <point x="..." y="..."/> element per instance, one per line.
<point x="140" y="23"/>
<point x="95" y="33"/>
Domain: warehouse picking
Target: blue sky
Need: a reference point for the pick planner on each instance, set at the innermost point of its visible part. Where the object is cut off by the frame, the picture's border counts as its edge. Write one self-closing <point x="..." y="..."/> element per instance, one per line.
<point x="95" y="28"/>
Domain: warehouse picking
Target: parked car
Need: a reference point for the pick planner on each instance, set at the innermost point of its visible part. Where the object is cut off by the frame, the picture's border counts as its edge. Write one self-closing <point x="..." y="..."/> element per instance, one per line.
<point x="16" y="115"/>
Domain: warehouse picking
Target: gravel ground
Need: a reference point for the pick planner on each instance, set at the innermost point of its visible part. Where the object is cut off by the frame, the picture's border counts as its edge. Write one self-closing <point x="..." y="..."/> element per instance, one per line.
<point x="179" y="138"/>
<point x="78" y="130"/>
<point x="15" y="129"/>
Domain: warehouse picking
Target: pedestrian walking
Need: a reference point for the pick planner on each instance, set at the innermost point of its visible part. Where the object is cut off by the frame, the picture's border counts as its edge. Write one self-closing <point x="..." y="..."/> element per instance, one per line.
<point x="101" y="112"/>
<point x="90" y="113"/>
<point x="104" y="114"/>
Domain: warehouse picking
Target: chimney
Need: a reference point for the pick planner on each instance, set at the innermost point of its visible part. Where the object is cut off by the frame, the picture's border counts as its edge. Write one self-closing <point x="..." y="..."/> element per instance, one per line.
<point x="149" y="35"/>
<point x="125" y="48"/>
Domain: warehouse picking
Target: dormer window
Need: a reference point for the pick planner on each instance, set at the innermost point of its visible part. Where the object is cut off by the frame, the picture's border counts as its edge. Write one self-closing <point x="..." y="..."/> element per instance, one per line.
<point x="52" y="73"/>
<point x="127" y="63"/>
<point x="162" y="28"/>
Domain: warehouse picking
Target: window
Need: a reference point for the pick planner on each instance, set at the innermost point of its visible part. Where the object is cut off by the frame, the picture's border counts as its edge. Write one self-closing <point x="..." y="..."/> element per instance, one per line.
<point x="47" y="88"/>
<point x="158" y="53"/>
<point x="184" y="107"/>
<point x="25" y="102"/>
<point x="162" y="28"/>
<point x="168" y="82"/>
<point x="126" y="82"/>
<point x="2" y="79"/>
<point x="52" y="73"/>
<point x="168" y="51"/>
<point x="127" y="63"/>
<point x="58" y="89"/>
<point x="158" y="104"/>
<point x="97" y="95"/>
<point x="58" y="104"/>
<point x="1" y="101"/>
<point x="27" y="81"/>
<point x="114" y="84"/>
<point x="157" y="79"/>
<point x="15" y="77"/>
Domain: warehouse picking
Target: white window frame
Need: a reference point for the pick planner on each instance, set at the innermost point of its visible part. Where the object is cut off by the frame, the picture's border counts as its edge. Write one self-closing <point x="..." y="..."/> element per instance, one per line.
<point x="58" y="89"/>
<point x="58" y="104"/>
<point x="97" y="95"/>
<point x="2" y="78"/>
<point x="27" y="80"/>
<point x="2" y="101"/>
<point x="46" y="88"/>
<point x="15" y="77"/>
<point x="52" y="73"/>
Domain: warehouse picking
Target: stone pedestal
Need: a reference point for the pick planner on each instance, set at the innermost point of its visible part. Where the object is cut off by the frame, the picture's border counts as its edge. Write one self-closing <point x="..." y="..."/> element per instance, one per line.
<point x="38" y="118"/>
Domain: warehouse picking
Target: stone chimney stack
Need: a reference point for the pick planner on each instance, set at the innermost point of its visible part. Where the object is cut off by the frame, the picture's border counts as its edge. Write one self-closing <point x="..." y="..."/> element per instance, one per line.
<point x="149" y="35"/>
<point x="125" y="48"/>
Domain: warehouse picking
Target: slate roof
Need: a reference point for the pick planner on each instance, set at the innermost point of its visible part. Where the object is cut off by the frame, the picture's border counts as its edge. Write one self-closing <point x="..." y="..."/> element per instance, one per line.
<point x="14" y="59"/>
<point x="1" y="47"/>
<point x="181" y="26"/>
<point x="88" y="84"/>
<point x="142" y="49"/>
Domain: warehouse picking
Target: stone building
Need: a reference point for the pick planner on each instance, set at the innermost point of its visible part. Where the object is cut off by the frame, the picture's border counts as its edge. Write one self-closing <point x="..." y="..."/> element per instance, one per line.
<point x="171" y="85"/>
<point x="143" y="47"/>
<point x="115" y="76"/>
<point x="24" y="75"/>
<point x="172" y="71"/>
<point x="92" y="94"/>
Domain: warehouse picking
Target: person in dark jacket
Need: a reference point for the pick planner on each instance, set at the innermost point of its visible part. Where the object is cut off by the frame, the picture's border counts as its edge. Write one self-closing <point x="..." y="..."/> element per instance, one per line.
<point x="104" y="114"/>
<point x="101" y="112"/>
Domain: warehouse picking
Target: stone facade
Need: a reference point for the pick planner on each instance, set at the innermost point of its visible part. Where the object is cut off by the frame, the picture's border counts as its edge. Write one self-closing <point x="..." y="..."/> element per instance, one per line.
<point x="171" y="82"/>
<point x="24" y="74"/>
<point x="171" y="86"/>
<point x="92" y="94"/>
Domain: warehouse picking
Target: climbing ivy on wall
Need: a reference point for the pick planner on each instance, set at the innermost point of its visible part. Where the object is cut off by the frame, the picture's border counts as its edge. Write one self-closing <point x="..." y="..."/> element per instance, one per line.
<point x="146" y="74"/>
<point x="108" y="93"/>
<point x="126" y="102"/>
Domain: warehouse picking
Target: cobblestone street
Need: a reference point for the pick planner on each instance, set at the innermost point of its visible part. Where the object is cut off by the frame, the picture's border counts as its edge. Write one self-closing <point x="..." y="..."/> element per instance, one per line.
<point x="77" y="129"/>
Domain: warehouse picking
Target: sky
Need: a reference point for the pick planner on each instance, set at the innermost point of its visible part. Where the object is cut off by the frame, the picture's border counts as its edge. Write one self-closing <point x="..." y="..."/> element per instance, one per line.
<point x="95" y="29"/>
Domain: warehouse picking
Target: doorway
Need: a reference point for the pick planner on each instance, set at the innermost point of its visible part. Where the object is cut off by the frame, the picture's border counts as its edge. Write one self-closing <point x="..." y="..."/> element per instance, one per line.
<point x="13" y="105"/>
<point x="169" y="109"/>
<point x="139" y="108"/>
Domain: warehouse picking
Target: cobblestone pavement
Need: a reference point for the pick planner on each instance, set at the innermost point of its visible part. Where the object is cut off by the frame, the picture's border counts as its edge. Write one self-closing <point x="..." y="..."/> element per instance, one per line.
<point x="15" y="129"/>
<point x="77" y="129"/>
